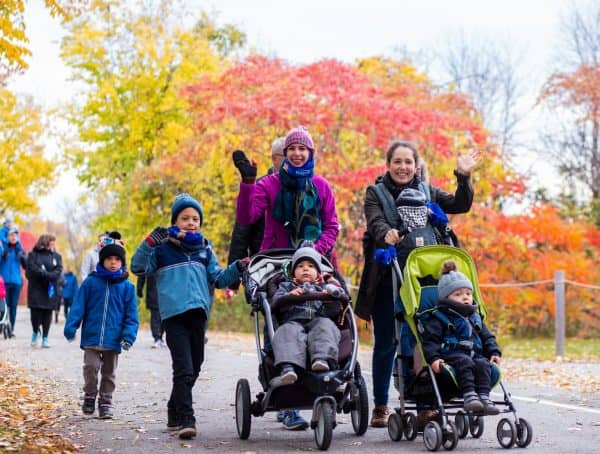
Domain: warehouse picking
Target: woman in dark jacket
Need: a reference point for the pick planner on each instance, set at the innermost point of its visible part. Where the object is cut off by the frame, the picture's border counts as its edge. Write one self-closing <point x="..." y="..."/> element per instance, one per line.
<point x="376" y="299"/>
<point x="44" y="270"/>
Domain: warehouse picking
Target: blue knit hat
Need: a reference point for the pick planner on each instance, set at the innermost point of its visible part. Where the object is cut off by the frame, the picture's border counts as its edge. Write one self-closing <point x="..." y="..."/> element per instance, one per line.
<point x="183" y="201"/>
<point x="452" y="280"/>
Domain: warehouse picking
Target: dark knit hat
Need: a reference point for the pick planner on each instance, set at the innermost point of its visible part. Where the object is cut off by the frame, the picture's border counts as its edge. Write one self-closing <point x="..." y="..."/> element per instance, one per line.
<point x="411" y="197"/>
<point x="451" y="280"/>
<point x="307" y="253"/>
<point x="112" y="246"/>
<point x="299" y="135"/>
<point x="183" y="201"/>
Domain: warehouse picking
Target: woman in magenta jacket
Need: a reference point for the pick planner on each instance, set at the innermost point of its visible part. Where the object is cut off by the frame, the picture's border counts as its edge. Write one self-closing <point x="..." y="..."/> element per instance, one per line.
<point x="295" y="203"/>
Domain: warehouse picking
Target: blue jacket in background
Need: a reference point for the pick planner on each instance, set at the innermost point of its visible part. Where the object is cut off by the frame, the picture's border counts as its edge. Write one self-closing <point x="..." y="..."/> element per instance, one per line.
<point x="71" y="286"/>
<point x="11" y="261"/>
<point x="183" y="277"/>
<point x="106" y="311"/>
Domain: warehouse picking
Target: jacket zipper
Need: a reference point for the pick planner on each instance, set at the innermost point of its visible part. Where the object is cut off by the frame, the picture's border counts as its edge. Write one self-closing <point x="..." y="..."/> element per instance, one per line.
<point x="104" y="315"/>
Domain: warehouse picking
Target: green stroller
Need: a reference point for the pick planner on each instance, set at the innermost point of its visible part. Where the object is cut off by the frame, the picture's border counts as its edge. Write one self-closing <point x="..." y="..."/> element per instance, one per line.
<point x="418" y="386"/>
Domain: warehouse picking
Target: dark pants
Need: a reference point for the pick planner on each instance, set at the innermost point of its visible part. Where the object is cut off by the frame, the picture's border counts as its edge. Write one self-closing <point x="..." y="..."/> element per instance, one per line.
<point x="384" y="348"/>
<point x="472" y="374"/>
<point x="105" y="362"/>
<point x="185" y="339"/>
<point x="67" y="302"/>
<point x="12" y="300"/>
<point x="41" y="317"/>
<point x="155" y="324"/>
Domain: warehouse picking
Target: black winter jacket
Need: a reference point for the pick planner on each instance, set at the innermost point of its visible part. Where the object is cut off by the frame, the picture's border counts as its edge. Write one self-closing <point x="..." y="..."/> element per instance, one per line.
<point x="377" y="226"/>
<point x="43" y="267"/>
<point x="151" y="290"/>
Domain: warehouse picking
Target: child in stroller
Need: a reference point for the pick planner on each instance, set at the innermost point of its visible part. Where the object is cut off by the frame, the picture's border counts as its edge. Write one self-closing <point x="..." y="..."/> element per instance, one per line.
<point x="337" y="384"/>
<point x="5" y="326"/>
<point x="420" y="387"/>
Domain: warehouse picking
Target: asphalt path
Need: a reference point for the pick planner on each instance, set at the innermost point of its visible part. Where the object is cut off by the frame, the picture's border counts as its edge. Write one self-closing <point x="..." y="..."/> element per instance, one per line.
<point x="563" y="421"/>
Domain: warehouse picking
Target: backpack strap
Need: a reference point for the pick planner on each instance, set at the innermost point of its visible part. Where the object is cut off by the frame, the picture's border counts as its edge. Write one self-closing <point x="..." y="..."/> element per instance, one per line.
<point x="424" y="188"/>
<point x="388" y="204"/>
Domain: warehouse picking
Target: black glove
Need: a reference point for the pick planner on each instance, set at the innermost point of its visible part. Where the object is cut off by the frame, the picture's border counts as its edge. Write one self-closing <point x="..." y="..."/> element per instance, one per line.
<point x="140" y="294"/>
<point x="242" y="264"/>
<point x="246" y="168"/>
<point x="125" y="345"/>
<point x="157" y="236"/>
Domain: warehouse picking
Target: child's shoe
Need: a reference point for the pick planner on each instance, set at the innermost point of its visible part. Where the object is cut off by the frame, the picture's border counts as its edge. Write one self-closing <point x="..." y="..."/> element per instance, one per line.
<point x="488" y="406"/>
<point x="186" y="432"/>
<point x="320" y="365"/>
<point x="88" y="406"/>
<point x="288" y="376"/>
<point x="45" y="343"/>
<point x="34" y="339"/>
<point x="472" y="402"/>
<point x="105" y="411"/>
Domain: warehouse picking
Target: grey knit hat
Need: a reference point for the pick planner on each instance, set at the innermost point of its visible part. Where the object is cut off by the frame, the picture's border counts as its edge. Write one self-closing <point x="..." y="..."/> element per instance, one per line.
<point x="452" y="281"/>
<point x="410" y="197"/>
<point x="307" y="253"/>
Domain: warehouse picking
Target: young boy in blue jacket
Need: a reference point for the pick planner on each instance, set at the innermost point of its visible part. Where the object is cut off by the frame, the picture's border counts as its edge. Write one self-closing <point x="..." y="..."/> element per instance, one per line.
<point x="106" y="308"/>
<point x="185" y="268"/>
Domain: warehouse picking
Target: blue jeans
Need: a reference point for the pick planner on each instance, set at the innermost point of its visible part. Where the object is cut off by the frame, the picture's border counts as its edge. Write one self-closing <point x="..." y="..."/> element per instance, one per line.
<point x="12" y="300"/>
<point x="384" y="349"/>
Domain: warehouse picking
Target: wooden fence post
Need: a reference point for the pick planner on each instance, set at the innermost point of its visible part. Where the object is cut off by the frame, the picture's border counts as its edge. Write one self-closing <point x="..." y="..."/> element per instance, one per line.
<point x="559" y="312"/>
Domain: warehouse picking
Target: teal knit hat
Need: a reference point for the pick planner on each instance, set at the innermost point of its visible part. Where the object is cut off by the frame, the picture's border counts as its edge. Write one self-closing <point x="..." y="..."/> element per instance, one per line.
<point x="183" y="201"/>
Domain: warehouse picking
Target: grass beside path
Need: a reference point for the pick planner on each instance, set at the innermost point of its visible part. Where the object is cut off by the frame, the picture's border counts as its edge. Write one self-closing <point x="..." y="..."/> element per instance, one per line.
<point x="28" y="413"/>
<point x="543" y="349"/>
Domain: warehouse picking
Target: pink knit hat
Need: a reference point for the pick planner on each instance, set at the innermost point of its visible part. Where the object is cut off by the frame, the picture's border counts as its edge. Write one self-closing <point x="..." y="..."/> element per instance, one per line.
<point x="299" y="135"/>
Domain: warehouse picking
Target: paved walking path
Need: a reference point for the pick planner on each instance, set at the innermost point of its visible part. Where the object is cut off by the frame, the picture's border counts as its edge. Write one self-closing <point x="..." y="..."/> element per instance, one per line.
<point x="563" y="420"/>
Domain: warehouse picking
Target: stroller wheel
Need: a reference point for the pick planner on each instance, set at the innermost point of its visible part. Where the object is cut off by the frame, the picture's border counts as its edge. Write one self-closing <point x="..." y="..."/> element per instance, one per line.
<point x="432" y="436"/>
<point x="242" y="408"/>
<point x="506" y="433"/>
<point x="360" y="412"/>
<point x="410" y="426"/>
<point x="462" y="424"/>
<point x="476" y="426"/>
<point x="524" y="433"/>
<point x="450" y="436"/>
<point x="395" y="427"/>
<point x="324" y="426"/>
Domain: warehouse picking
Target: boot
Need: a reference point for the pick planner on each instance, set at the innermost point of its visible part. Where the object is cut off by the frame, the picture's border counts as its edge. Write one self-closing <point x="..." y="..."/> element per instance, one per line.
<point x="380" y="415"/>
<point x="472" y="402"/>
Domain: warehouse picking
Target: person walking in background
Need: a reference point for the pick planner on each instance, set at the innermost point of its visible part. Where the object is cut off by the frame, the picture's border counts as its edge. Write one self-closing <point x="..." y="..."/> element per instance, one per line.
<point x="69" y="290"/>
<point x="43" y="271"/>
<point x="152" y="305"/>
<point x="106" y="309"/>
<point x="8" y="223"/>
<point x="12" y="260"/>
<point x="91" y="258"/>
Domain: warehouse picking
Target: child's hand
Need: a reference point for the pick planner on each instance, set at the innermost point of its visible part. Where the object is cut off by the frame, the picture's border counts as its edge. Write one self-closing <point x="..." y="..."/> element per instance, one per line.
<point x="125" y="345"/>
<point x="297" y="291"/>
<point x="495" y="359"/>
<point x="437" y="365"/>
<point x="157" y="236"/>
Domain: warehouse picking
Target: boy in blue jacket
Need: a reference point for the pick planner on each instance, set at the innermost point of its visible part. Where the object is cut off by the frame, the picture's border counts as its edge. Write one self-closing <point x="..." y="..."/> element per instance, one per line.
<point x="185" y="268"/>
<point x="106" y="308"/>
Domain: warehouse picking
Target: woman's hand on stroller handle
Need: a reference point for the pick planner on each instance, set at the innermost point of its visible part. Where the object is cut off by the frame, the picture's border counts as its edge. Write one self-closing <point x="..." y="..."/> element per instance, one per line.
<point x="392" y="237"/>
<point x="495" y="359"/>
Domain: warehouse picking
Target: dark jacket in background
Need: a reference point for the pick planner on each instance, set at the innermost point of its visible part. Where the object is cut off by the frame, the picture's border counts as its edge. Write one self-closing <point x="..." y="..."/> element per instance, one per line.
<point x="43" y="267"/>
<point x="377" y="227"/>
<point x="151" y="290"/>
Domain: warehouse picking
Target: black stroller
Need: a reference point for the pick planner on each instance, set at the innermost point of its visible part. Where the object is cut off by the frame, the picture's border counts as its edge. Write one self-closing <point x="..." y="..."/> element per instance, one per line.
<point x="326" y="393"/>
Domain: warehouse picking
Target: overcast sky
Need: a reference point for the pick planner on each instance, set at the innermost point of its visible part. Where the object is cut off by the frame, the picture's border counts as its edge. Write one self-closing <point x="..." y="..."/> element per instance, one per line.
<point x="301" y="32"/>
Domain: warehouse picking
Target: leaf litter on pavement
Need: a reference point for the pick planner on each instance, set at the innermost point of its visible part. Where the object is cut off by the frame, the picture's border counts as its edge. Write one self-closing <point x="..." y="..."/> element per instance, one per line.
<point x="29" y="411"/>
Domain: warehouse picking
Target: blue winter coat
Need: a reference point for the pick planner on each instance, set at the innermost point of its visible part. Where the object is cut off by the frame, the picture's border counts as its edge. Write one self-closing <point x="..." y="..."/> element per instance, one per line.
<point x="183" y="277"/>
<point x="11" y="261"/>
<point x="71" y="286"/>
<point x="107" y="312"/>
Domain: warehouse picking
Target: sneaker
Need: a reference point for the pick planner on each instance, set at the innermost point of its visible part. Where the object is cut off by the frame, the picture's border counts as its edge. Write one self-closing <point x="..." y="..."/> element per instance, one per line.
<point x="163" y="344"/>
<point x="156" y="343"/>
<point x="105" y="411"/>
<point x="89" y="406"/>
<point x="320" y="366"/>
<point x="424" y="416"/>
<point x="280" y="415"/>
<point x="293" y="421"/>
<point x="185" y="433"/>
<point x="288" y="376"/>
<point x="34" y="339"/>
<point x="472" y="403"/>
<point x="45" y="343"/>
<point x="488" y="406"/>
<point x="380" y="415"/>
